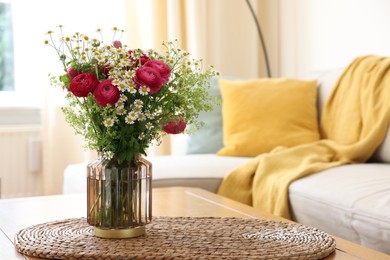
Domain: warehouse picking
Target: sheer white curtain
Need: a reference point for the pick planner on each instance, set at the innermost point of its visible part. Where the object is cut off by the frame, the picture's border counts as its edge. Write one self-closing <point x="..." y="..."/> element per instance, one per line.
<point x="222" y="32"/>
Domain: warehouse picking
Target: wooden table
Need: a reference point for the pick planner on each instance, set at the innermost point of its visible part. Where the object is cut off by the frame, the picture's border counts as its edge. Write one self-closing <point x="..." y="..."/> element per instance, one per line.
<point x="19" y="213"/>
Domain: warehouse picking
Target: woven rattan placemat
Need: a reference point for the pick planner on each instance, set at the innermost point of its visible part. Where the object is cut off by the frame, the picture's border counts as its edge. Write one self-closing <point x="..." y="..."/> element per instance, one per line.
<point x="179" y="238"/>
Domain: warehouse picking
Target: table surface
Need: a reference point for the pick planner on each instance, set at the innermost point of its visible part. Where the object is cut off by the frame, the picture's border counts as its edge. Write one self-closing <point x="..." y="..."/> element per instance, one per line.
<point x="19" y="213"/>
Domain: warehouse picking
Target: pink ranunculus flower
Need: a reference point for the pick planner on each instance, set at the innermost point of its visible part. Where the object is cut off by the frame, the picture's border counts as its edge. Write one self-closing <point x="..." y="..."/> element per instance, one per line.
<point x="162" y="68"/>
<point x="175" y="127"/>
<point x="83" y="84"/>
<point x="149" y="77"/>
<point x="117" y="44"/>
<point x="106" y="93"/>
<point x="72" y="73"/>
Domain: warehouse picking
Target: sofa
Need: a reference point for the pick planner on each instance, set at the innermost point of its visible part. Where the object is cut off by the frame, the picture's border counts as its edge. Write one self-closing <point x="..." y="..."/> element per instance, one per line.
<point x="350" y="201"/>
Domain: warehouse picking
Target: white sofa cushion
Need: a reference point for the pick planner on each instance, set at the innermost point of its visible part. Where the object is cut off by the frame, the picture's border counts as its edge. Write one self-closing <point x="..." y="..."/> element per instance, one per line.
<point x="350" y="201"/>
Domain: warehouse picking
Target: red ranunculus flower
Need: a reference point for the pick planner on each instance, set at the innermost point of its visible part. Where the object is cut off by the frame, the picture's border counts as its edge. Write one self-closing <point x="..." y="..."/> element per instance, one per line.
<point x="83" y="84"/>
<point x="175" y="127"/>
<point x="162" y="68"/>
<point x="149" y="77"/>
<point x="104" y="69"/>
<point x="144" y="58"/>
<point x="72" y="73"/>
<point x="106" y="93"/>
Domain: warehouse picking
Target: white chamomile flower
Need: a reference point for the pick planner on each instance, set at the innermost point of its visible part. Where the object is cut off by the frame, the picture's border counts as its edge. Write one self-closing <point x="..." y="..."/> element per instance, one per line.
<point x="129" y="120"/>
<point x="138" y="109"/>
<point x="108" y="122"/>
<point x="141" y="117"/>
<point x="121" y="72"/>
<point x="111" y="73"/>
<point x="123" y="98"/>
<point x="132" y="90"/>
<point x="122" y="86"/>
<point x="135" y="108"/>
<point x="94" y="41"/>
<point x="133" y="115"/>
<point x="100" y="58"/>
<point x="119" y="104"/>
<point x="141" y="136"/>
<point x="149" y="115"/>
<point x="149" y="126"/>
<point x="144" y="90"/>
<point x="138" y="103"/>
<point x="130" y="74"/>
<point x="123" y="63"/>
<point x="116" y="82"/>
<point x="108" y="155"/>
<point x="120" y="111"/>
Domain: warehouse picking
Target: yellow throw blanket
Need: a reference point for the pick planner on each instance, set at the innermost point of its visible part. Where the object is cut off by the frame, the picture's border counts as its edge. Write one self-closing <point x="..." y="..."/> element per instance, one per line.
<point x="354" y="123"/>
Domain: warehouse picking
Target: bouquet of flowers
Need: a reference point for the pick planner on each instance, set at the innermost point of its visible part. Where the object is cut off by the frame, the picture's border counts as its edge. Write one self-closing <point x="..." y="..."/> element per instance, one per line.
<point x="121" y="100"/>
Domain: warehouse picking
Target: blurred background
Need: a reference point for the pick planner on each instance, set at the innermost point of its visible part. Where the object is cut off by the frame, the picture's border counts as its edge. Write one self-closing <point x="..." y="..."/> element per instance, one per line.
<point x="303" y="37"/>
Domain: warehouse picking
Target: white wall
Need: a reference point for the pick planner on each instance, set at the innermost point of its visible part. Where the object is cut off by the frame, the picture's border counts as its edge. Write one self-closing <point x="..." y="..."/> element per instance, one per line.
<point x="318" y="35"/>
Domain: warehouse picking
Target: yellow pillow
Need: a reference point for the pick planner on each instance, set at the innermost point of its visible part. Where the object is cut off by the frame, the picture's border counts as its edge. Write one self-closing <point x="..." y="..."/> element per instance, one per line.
<point x="259" y="115"/>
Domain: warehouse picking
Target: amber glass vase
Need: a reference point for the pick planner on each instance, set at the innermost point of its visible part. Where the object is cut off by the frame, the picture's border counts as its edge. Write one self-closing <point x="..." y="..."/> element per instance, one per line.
<point x="119" y="198"/>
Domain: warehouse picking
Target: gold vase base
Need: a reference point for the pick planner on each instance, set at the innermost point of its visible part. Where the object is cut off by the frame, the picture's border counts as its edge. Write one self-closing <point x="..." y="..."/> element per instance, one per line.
<point x="119" y="233"/>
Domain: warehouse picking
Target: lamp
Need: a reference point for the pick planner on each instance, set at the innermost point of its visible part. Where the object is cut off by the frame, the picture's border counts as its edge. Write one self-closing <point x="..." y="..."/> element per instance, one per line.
<point x="261" y="38"/>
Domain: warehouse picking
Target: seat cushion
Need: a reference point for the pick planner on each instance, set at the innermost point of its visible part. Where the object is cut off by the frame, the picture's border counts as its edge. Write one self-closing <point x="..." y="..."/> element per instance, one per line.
<point x="350" y="201"/>
<point x="194" y="170"/>
<point x="204" y="171"/>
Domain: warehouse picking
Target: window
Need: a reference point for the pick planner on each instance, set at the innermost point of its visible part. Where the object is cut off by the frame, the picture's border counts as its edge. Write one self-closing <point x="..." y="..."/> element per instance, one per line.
<point x="6" y="48"/>
<point x="31" y="60"/>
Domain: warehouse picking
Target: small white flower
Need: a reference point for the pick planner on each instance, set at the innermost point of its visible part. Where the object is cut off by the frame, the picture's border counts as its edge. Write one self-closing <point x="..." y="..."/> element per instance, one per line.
<point x="116" y="82"/>
<point x="122" y="86"/>
<point x="138" y="110"/>
<point x="122" y="73"/>
<point x="119" y="104"/>
<point x="112" y="74"/>
<point x="141" y="117"/>
<point x="135" y="108"/>
<point x="149" y="115"/>
<point x="108" y="122"/>
<point x="133" y="115"/>
<point x="138" y="103"/>
<point x="144" y="90"/>
<point x="123" y="98"/>
<point x="132" y="90"/>
<point x="130" y="74"/>
<point x="120" y="111"/>
<point x="129" y="120"/>
<point x="100" y="58"/>
<point x="108" y="155"/>
<point x="124" y="62"/>
<point x="149" y="126"/>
